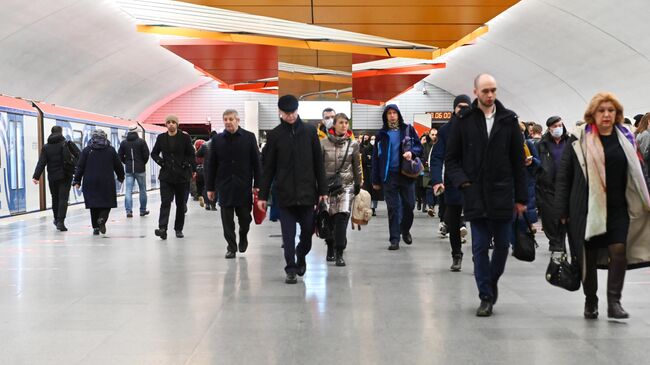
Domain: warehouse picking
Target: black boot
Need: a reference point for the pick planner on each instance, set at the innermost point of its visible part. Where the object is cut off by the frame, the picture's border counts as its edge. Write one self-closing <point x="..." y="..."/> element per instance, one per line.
<point x="61" y="226"/>
<point x="615" y="279"/>
<point x="590" y="284"/>
<point x="339" y="258"/>
<point x="419" y="207"/>
<point x="374" y="214"/>
<point x="456" y="263"/>
<point x="330" y="251"/>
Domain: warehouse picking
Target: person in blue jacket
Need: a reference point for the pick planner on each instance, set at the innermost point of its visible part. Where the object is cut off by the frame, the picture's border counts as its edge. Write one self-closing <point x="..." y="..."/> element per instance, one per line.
<point x="394" y="142"/>
<point x="452" y="197"/>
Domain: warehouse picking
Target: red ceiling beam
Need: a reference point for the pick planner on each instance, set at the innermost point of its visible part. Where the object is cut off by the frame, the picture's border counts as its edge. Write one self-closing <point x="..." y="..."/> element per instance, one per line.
<point x="257" y="85"/>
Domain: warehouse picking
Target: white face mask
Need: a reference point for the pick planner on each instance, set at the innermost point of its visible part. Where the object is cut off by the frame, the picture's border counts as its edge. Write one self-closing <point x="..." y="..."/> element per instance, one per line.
<point x="557" y="132"/>
<point x="329" y="122"/>
<point x="372" y="142"/>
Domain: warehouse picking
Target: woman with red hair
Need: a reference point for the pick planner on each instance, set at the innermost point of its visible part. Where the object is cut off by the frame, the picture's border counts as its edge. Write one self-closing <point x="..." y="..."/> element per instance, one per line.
<point x="601" y="194"/>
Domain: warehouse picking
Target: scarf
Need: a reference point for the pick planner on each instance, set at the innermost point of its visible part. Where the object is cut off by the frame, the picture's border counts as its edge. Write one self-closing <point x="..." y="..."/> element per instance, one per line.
<point x="594" y="155"/>
<point x="393" y="125"/>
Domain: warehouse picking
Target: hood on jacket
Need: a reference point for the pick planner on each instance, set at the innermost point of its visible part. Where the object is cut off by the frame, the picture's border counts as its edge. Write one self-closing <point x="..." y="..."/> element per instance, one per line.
<point x="331" y="135"/>
<point x="132" y="136"/>
<point x="384" y="118"/>
<point x="55" y="138"/>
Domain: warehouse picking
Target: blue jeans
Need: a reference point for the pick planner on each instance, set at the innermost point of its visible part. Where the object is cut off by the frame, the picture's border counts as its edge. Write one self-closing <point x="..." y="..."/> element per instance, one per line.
<point x="142" y="187"/>
<point x="399" y="193"/>
<point x="488" y="271"/>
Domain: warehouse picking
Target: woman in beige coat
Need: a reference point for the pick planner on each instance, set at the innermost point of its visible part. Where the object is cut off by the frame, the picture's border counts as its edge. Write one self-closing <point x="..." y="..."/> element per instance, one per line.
<point x="602" y="196"/>
<point x="341" y="156"/>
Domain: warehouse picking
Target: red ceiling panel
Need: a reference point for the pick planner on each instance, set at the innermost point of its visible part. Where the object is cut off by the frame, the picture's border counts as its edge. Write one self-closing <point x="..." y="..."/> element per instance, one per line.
<point x="232" y="63"/>
<point x="384" y="87"/>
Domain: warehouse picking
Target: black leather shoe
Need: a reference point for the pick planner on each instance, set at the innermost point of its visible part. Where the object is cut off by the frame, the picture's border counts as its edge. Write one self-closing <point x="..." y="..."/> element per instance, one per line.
<point x="95" y="231"/>
<point x="485" y="309"/>
<point x="406" y="237"/>
<point x="129" y="215"/>
<point x="179" y="234"/>
<point x="329" y="257"/>
<point x="302" y="266"/>
<point x="591" y="310"/>
<point x="162" y="233"/>
<point x="61" y="227"/>
<point x="230" y="254"/>
<point x="243" y="244"/>
<point x="142" y="214"/>
<point x="102" y="225"/>
<point x="291" y="278"/>
<point x="393" y="246"/>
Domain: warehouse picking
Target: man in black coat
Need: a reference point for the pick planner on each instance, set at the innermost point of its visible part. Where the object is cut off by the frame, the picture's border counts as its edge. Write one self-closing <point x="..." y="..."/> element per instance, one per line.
<point x="551" y="147"/>
<point x="134" y="154"/>
<point x="177" y="164"/>
<point x="233" y="170"/>
<point x="485" y="159"/>
<point x="60" y="158"/>
<point x="451" y="196"/>
<point x="293" y="162"/>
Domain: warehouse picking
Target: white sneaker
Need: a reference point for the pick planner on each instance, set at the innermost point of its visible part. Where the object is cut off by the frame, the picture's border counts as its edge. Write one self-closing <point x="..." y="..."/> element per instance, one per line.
<point x="442" y="230"/>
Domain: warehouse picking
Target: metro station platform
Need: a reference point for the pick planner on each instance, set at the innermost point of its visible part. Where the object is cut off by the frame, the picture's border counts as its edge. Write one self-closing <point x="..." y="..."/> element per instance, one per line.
<point x="129" y="298"/>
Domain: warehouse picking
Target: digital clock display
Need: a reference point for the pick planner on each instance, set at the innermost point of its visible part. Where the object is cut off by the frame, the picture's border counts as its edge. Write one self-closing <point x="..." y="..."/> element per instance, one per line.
<point x="439" y="115"/>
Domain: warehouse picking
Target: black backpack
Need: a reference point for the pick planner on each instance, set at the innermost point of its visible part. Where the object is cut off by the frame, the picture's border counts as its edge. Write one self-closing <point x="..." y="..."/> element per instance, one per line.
<point x="70" y="156"/>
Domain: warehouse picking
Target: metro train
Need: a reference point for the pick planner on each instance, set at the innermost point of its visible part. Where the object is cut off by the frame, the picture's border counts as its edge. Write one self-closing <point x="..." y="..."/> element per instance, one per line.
<point x="24" y="128"/>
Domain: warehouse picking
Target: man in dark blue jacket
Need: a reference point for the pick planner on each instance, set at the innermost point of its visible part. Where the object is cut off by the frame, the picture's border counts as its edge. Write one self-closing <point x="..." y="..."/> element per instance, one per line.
<point x="134" y="154"/>
<point x="399" y="189"/>
<point x="452" y="197"/>
<point x="233" y="169"/>
<point x="485" y="159"/>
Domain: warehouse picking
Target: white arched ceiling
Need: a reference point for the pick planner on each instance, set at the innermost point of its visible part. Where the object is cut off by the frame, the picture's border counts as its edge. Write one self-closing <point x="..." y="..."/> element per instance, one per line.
<point x="551" y="56"/>
<point x="85" y="54"/>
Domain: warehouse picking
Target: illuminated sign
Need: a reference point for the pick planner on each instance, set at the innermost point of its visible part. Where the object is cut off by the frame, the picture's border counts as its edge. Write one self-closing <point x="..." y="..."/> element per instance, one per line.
<point x="439" y="115"/>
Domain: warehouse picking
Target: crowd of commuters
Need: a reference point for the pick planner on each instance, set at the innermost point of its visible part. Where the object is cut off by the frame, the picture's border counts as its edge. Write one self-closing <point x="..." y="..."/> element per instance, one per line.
<point x="484" y="166"/>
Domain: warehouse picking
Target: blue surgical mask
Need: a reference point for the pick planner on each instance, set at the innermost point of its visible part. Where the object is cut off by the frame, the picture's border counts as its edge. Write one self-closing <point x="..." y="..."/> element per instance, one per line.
<point x="557" y="132"/>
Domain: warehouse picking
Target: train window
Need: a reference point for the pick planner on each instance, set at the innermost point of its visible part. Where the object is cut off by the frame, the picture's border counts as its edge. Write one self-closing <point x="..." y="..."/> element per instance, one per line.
<point x="77" y="138"/>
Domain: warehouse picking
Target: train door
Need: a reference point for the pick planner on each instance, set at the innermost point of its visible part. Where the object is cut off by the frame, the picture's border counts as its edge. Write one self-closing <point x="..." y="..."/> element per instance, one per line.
<point x="154" y="168"/>
<point x="115" y="143"/>
<point x="16" y="164"/>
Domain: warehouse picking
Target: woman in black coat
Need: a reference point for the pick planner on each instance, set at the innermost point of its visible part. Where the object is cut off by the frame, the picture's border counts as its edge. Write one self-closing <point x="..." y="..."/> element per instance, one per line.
<point x="601" y="195"/>
<point x="96" y="166"/>
<point x="366" y="163"/>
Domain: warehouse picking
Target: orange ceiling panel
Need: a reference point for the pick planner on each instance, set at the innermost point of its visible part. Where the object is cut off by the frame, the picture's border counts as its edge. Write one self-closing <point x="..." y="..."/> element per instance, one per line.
<point x="384" y="87"/>
<point x="232" y="63"/>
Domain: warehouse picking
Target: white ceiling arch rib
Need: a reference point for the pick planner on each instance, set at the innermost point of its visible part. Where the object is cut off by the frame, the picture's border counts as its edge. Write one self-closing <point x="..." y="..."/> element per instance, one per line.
<point x="551" y="56"/>
<point x="87" y="55"/>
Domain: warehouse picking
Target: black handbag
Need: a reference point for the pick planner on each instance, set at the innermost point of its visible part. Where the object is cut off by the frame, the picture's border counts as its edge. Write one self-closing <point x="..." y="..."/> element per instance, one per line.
<point x="562" y="273"/>
<point x="335" y="182"/>
<point x="525" y="244"/>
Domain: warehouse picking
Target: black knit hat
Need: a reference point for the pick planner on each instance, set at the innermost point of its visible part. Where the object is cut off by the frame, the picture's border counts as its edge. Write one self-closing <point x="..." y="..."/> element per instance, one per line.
<point x="637" y="119"/>
<point x="288" y="103"/>
<point x="552" y="120"/>
<point x="462" y="98"/>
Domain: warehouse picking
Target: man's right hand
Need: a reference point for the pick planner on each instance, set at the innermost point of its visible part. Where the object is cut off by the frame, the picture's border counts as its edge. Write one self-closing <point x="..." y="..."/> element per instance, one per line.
<point x="436" y="187"/>
<point x="261" y="205"/>
<point x="35" y="181"/>
<point x="211" y="195"/>
<point x="376" y="187"/>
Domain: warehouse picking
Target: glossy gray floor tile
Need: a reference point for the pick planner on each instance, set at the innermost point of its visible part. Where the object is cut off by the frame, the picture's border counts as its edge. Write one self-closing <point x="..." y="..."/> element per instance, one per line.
<point x="129" y="298"/>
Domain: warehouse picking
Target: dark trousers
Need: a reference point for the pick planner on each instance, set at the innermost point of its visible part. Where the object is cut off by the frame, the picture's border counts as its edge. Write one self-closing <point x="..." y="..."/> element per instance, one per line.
<point x="442" y="208"/>
<point x="228" y="223"/>
<point x="399" y="193"/>
<point x="488" y="271"/>
<point x="289" y="216"/>
<point x="554" y="230"/>
<point x="173" y="192"/>
<point x="60" y="190"/>
<point x="96" y="213"/>
<point x="453" y="221"/>
<point x="339" y="240"/>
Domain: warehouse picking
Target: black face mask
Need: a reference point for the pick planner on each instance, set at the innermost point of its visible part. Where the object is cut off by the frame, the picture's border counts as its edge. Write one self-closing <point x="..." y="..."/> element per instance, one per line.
<point x="463" y="109"/>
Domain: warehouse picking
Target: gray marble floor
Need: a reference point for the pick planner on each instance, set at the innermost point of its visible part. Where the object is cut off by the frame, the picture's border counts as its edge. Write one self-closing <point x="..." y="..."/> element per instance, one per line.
<point x="130" y="298"/>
